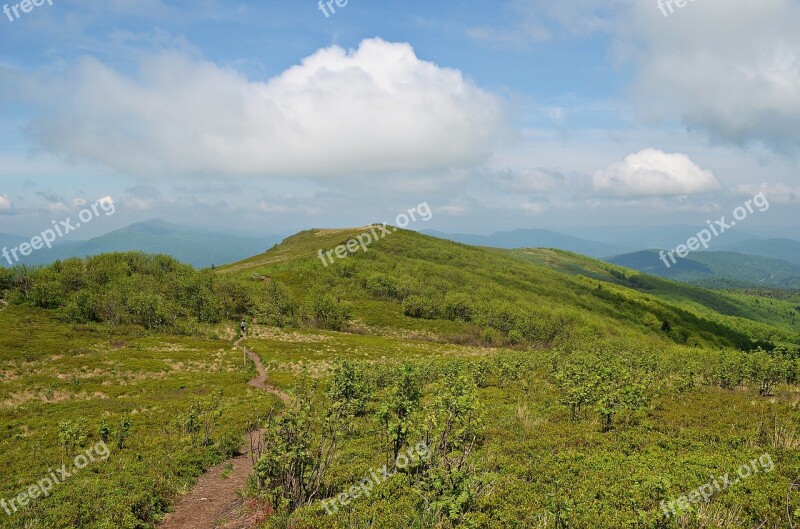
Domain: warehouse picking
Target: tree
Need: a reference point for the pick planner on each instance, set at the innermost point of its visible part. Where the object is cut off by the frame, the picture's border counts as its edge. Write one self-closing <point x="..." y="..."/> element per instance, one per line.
<point x="617" y="390"/>
<point x="396" y="412"/>
<point x="349" y="391"/>
<point x="453" y="431"/>
<point x="280" y="308"/>
<point x="766" y="370"/>
<point x="299" y="447"/>
<point x="326" y="311"/>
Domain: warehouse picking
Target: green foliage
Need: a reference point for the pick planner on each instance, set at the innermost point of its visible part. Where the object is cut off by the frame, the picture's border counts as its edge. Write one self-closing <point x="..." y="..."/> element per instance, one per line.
<point x="280" y="309"/>
<point x="153" y="291"/>
<point x="123" y="432"/>
<point x="518" y="438"/>
<point x="325" y="310"/>
<point x="608" y="385"/>
<point x="299" y="446"/>
<point x="454" y="429"/>
<point x="396" y="412"/>
<point x="202" y="419"/>
<point x="349" y="391"/>
<point x="71" y="436"/>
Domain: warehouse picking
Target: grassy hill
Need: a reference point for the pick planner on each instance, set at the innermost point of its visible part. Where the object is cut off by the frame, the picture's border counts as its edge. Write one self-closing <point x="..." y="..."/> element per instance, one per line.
<point x="550" y="390"/>
<point x="423" y="283"/>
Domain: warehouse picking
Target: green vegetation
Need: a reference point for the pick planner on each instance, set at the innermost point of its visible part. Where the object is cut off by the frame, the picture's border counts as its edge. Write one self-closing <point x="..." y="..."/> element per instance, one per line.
<point x="550" y="390"/>
<point x="717" y="269"/>
<point x="168" y="407"/>
<point x="153" y="291"/>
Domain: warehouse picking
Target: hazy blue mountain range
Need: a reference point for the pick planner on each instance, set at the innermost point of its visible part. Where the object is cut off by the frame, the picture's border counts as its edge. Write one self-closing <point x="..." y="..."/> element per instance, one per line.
<point x="641" y="237"/>
<point x="535" y="238"/>
<point x="198" y="247"/>
<point x="784" y="249"/>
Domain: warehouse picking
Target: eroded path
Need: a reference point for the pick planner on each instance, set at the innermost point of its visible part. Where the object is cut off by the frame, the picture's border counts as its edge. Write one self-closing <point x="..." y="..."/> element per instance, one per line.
<point x="260" y="381"/>
<point x="215" y="502"/>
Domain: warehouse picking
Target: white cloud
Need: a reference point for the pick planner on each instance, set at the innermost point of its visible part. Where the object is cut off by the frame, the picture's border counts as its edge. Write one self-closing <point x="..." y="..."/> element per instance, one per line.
<point x="531" y="180"/>
<point x="538" y="21"/>
<point x="452" y="211"/>
<point x="6" y="206"/>
<point x="778" y="193"/>
<point x="533" y="208"/>
<point x="271" y="207"/>
<point x="375" y="109"/>
<point x="654" y="173"/>
<point x="730" y="68"/>
<point x="139" y="204"/>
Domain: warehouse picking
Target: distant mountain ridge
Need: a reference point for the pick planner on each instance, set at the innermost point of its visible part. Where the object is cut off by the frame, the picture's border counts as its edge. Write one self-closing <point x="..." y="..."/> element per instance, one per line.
<point x="535" y="238"/>
<point x="779" y="248"/>
<point x="643" y="237"/>
<point x="198" y="247"/>
<point x="716" y="269"/>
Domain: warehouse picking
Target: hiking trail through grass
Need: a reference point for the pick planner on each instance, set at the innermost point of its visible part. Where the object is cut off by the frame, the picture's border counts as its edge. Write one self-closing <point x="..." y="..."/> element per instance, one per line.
<point x="215" y="502"/>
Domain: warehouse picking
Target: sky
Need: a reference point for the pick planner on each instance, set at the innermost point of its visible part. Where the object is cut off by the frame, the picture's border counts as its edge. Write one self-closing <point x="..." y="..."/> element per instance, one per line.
<point x="275" y="116"/>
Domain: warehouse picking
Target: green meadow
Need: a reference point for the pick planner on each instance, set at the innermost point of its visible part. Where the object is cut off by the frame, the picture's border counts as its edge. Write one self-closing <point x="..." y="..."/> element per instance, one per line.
<point x="551" y="390"/>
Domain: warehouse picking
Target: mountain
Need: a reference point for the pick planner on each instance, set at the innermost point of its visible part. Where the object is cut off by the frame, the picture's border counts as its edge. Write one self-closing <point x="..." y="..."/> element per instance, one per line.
<point x="783" y="249"/>
<point x="535" y="239"/>
<point x="639" y="237"/>
<point x="198" y="247"/>
<point x="428" y="285"/>
<point x="573" y="382"/>
<point x="716" y="269"/>
<point x="10" y="241"/>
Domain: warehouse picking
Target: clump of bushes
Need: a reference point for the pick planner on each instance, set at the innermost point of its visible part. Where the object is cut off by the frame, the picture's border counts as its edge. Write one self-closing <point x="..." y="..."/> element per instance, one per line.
<point x="154" y="291"/>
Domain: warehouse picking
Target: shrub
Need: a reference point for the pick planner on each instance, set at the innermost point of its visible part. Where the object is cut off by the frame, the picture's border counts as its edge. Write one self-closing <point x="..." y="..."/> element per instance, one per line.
<point x="421" y="307"/>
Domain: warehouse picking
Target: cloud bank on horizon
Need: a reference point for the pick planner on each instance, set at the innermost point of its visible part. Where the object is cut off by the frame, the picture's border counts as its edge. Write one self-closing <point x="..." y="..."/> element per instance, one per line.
<point x="497" y="121"/>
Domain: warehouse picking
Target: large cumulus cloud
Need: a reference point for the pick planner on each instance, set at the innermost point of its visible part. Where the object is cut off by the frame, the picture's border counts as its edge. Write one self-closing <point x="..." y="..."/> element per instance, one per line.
<point x="375" y="109"/>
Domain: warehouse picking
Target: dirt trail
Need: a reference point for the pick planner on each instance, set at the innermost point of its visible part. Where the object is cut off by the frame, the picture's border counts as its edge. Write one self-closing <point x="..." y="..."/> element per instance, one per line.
<point x="260" y="381"/>
<point x="215" y="503"/>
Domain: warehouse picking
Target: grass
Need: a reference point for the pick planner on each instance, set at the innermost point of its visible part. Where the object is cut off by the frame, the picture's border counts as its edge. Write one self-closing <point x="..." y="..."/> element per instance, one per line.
<point x="516" y="320"/>
<point x="64" y="373"/>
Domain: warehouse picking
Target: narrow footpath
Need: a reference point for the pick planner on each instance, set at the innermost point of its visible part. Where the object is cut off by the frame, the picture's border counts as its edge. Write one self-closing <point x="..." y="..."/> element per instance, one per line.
<point x="215" y="503"/>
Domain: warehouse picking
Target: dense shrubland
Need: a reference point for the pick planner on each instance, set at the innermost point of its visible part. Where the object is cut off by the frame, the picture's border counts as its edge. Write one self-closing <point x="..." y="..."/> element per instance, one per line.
<point x="153" y="291"/>
<point x="606" y="421"/>
<point x="500" y="298"/>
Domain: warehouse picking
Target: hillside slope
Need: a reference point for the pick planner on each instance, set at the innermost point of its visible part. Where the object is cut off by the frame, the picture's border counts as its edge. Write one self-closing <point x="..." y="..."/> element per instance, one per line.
<point x="419" y="283"/>
<point x="560" y="372"/>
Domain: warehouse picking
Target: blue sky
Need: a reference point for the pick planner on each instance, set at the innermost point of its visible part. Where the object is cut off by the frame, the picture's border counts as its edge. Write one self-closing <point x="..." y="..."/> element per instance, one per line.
<point x="269" y="117"/>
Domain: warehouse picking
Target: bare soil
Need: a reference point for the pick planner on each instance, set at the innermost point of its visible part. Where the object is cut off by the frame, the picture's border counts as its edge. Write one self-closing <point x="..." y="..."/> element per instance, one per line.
<point x="216" y="502"/>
